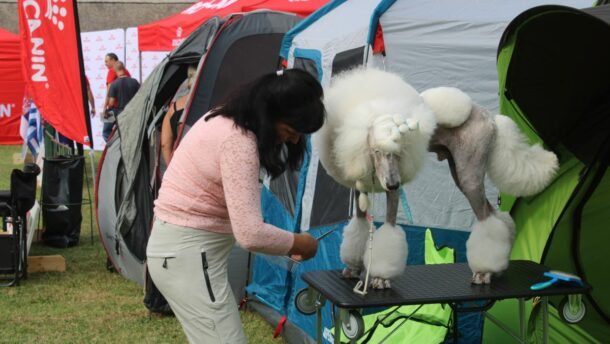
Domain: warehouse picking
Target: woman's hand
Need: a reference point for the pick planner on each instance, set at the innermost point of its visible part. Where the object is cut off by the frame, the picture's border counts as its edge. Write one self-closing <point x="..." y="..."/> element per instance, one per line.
<point x="304" y="247"/>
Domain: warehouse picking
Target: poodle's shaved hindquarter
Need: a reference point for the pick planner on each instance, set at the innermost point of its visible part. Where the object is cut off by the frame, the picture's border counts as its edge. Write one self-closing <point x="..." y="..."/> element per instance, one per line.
<point x="466" y="148"/>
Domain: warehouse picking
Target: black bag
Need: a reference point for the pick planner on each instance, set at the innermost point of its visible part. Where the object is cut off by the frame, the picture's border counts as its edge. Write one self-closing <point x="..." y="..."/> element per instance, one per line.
<point x="62" y="196"/>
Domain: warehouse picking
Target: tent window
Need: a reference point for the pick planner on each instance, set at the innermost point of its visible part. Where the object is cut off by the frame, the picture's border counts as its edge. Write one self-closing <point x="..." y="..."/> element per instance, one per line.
<point x="331" y="202"/>
<point x="307" y="65"/>
<point x="348" y="59"/>
<point x="284" y="188"/>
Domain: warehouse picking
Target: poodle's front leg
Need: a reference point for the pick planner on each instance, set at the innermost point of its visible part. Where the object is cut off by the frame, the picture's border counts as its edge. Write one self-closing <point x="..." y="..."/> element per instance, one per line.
<point x="391" y="210"/>
<point x="355" y="239"/>
<point x="389" y="254"/>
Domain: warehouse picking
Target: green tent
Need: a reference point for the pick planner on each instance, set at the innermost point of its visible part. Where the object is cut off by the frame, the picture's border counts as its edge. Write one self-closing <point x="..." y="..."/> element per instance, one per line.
<point x="554" y="71"/>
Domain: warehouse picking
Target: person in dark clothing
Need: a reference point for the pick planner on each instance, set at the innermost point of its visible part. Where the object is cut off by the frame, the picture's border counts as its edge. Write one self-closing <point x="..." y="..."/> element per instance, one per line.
<point x="171" y="121"/>
<point x="119" y="94"/>
<point x="110" y="61"/>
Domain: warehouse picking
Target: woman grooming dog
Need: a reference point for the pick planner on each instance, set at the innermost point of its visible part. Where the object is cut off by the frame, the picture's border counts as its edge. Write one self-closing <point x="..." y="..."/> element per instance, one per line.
<point x="210" y="198"/>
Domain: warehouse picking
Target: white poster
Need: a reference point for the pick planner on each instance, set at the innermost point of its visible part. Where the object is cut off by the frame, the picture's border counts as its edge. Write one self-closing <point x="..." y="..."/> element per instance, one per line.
<point x="149" y="60"/>
<point x="96" y="45"/>
<point x="132" y="59"/>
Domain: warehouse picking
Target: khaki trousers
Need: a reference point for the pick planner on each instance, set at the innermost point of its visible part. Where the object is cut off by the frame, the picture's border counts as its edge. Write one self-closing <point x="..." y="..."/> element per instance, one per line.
<point x="189" y="267"/>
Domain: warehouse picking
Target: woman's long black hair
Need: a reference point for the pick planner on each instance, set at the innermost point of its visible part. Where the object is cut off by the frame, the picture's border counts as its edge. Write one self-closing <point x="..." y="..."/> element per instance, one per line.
<point x="293" y="97"/>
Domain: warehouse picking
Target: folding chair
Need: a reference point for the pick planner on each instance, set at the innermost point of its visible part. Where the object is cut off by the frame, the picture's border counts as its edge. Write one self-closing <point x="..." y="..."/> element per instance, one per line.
<point x="14" y="204"/>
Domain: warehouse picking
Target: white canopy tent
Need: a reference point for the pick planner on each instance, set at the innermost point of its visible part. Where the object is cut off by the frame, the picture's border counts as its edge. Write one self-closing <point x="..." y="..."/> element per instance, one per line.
<point x="428" y="43"/>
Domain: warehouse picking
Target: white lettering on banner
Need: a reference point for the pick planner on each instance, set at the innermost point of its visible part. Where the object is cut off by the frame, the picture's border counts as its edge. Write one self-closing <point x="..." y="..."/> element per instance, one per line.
<point x="177" y="42"/>
<point x="32" y="11"/>
<point x="32" y="14"/>
<point x="6" y="110"/>
<point x="37" y="42"/>
<point x="211" y="5"/>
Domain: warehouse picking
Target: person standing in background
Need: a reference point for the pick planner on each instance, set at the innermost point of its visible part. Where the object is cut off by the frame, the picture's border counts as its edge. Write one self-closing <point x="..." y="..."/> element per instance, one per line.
<point x="119" y="94"/>
<point x="171" y="121"/>
<point x="110" y="60"/>
<point x="90" y="98"/>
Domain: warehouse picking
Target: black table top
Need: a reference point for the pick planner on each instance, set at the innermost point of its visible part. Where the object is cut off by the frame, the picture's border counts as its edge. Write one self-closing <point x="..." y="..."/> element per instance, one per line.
<point x="442" y="283"/>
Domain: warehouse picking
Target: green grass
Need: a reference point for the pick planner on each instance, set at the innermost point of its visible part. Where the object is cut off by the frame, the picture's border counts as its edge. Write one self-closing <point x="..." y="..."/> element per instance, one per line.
<point x="87" y="304"/>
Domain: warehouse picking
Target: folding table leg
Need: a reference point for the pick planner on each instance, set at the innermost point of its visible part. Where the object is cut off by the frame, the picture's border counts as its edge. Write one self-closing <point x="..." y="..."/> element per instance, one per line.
<point x="338" y="325"/>
<point x="545" y="319"/>
<point x="320" y="301"/>
<point x="319" y="325"/>
<point x="456" y="333"/>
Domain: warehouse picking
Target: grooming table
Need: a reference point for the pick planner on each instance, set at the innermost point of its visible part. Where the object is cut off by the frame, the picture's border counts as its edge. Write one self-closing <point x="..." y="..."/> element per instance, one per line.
<point x="435" y="284"/>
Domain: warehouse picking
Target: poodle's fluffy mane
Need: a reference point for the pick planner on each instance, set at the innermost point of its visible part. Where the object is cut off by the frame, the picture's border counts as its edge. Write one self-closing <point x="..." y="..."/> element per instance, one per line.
<point x="355" y="100"/>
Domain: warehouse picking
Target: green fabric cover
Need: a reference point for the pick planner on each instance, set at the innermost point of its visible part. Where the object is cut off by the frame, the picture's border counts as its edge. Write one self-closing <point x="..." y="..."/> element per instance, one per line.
<point x="546" y="233"/>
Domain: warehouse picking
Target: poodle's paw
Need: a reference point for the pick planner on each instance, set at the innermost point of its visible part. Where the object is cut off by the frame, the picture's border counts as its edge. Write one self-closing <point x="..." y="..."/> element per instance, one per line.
<point x="380" y="283"/>
<point x="389" y="254"/>
<point x="481" y="277"/>
<point x="489" y="245"/>
<point x="350" y="272"/>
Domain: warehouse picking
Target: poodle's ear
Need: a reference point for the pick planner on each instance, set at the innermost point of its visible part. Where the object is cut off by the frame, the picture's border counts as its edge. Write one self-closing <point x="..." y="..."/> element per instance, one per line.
<point x="358" y="168"/>
<point x="351" y="152"/>
<point x="451" y="106"/>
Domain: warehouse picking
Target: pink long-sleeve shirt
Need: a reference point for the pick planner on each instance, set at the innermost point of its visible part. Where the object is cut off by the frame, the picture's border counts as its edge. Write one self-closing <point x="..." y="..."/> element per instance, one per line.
<point x="212" y="184"/>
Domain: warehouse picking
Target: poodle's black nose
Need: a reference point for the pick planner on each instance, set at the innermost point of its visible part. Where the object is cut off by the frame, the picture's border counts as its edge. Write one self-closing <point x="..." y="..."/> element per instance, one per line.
<point x="393" y="186"/>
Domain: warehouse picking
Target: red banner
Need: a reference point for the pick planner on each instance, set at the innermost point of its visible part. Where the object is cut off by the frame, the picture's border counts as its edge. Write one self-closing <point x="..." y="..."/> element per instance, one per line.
<point x="10" y="114"/>
<point x="11" y="88"/>
<point x="51" y="64"/>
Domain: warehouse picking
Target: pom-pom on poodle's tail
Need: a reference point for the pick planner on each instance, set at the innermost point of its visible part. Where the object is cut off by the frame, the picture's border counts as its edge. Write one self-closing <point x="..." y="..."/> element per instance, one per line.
<point x="450" y="105"/>
<point x="514" y="166"/>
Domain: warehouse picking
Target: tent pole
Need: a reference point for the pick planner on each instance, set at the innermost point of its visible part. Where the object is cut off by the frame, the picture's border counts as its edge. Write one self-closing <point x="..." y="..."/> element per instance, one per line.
<point x="92" y="158"/>
<point x="81" y="68"/>
<point x="81" y="65"/>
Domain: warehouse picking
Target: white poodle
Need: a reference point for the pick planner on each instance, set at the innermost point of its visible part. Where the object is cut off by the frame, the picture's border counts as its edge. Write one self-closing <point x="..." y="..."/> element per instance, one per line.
<point x="376" y="138"/>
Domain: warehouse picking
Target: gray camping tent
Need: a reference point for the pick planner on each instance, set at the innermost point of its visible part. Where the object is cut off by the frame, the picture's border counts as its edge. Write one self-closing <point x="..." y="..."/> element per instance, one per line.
<point x="127" y="180"/>
<point x="230" y="52"/>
